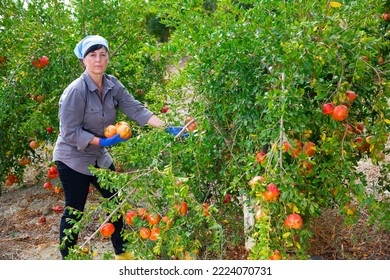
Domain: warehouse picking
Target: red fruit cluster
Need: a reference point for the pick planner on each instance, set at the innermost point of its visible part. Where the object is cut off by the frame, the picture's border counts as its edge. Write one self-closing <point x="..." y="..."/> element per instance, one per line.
<point x="34" y="144"/>
<point x="182" y="209"/>
<point x="52" y="172"/>
<point x="11" y="179"/>
<point x="152" y="232"/>
<point x="361" y="144"/>
<point x="272" y="192"/>
<point x="308" y="148"/>
<point x="129" y="217"/>
<point x="24" y="161"/>
<point x="358" y="129"/>
<point x="261" y="157"/>
<point x="149" y="224"/>
<point x="153" y="219"/>
<point x="49" y="186"/>
<point x="205" y="207"/>
<point x="293" y="221"/>
<point x="295" y="150"/>
<point x="41" y="62"/>
<point x="275" y="256"/>
<point x="256" y="180"/>
<point x="227" y="199"/>
<point x="146" y="233"/>
<point x="351" y="95"/>
<point x="142" y="212"/>
<point x="328" y="108"/>
<point x="340" y="112"/>
<point x="107" y="229"/>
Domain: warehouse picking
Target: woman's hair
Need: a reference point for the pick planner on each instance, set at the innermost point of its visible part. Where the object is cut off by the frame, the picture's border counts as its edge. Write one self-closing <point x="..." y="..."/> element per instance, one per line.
<point x="94" y="48"/>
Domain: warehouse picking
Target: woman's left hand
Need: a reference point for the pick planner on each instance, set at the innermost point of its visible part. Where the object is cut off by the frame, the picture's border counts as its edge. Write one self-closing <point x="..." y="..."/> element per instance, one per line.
<point x="105" y="142"/>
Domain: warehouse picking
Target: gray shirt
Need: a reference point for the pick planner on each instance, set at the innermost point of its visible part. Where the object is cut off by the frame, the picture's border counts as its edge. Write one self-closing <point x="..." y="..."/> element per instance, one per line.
<point x="83" y="115"/>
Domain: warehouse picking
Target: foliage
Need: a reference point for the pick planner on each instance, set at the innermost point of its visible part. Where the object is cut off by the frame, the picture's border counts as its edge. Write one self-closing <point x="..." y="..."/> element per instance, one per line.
<point x="246" y="100"/>
<point x="29" y="96"/>
<point x="257" y="76"/>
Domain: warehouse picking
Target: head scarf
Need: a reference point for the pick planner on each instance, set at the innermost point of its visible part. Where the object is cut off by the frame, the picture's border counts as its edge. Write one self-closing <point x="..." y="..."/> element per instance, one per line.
<point x="88" y="42"/>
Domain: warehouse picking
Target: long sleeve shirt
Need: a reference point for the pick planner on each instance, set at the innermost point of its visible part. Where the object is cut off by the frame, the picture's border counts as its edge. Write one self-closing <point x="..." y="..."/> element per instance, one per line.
<point x="83" y="115"/>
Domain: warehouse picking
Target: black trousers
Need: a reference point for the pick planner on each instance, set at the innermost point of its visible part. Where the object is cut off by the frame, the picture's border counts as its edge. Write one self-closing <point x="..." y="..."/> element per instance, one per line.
<point x="75" y="186"/>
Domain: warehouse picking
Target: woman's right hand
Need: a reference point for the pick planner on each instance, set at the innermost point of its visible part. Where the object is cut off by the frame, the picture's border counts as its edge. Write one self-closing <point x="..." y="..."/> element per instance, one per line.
<point x="105" y="142"/>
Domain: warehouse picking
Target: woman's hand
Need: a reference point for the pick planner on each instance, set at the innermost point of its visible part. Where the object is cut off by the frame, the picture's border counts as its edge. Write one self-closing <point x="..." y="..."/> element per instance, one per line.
<point x="154" y="121"/>
<point x="175" y="130"/>
<point x="105" y="142"/>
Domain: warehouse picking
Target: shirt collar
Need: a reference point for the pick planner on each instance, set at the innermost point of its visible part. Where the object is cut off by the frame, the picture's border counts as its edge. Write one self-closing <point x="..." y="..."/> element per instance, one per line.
<point x="107" y="84"/>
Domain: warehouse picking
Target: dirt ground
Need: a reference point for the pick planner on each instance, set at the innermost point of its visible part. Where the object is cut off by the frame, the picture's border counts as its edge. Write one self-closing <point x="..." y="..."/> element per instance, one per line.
<point x="22" y="237"/>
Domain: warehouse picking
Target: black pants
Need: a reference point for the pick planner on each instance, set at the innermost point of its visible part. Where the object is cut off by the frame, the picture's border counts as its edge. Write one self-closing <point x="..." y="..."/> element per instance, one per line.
<point x="75" y="186"/>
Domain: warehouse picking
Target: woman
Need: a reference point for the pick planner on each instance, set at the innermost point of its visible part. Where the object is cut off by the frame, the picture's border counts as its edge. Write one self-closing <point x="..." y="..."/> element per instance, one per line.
<point x="86" y="107"/>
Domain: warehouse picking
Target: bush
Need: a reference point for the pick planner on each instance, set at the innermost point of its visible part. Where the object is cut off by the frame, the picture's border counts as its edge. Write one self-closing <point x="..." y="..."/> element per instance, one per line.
<point x="257" y="77"/>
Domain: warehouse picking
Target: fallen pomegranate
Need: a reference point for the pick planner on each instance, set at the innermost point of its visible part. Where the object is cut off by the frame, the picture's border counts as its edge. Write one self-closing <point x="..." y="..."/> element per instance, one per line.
<point x="58" y="209"/>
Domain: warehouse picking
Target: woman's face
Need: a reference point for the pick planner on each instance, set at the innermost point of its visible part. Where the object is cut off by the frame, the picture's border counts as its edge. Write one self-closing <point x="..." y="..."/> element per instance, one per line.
<point x="96" y="62"/>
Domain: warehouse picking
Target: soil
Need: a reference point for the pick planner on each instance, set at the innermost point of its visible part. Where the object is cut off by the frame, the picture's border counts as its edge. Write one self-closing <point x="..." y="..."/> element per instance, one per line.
<point x="24" y="237"/>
